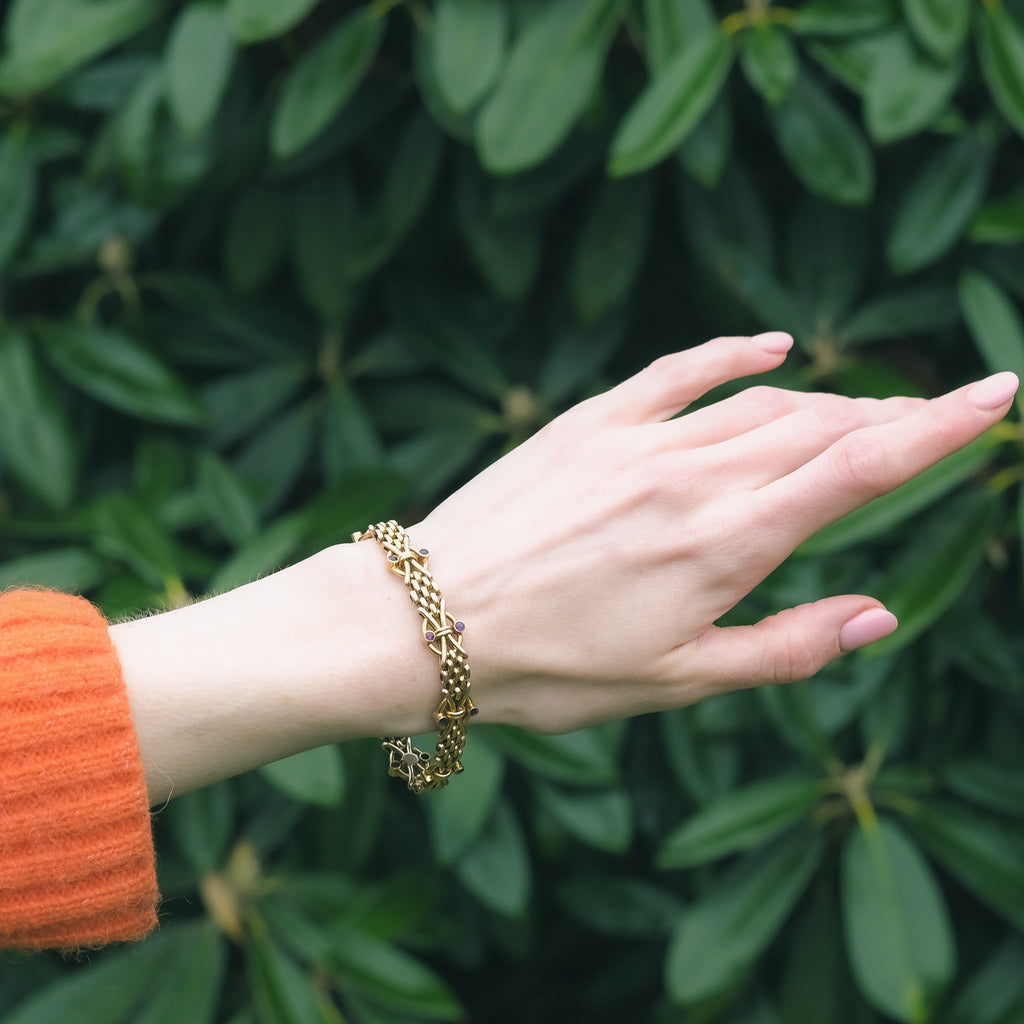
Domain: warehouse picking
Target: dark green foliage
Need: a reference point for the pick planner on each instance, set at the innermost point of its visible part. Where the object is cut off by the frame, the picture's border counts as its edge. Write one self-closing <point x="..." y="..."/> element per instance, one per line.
<point x="274" y="268"/>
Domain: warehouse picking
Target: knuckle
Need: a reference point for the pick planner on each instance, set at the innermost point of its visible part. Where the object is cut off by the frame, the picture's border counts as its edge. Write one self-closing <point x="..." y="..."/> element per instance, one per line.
<point x="861" y="462"/>
<point x="795" y="658"/>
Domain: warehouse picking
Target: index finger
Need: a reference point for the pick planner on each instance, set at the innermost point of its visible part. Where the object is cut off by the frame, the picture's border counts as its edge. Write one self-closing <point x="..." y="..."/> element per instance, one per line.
<point x="874" y="460"/>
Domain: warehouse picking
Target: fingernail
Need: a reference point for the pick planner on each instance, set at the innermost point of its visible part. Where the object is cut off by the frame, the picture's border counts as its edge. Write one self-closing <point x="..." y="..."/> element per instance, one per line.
<point x="866" y="628"/>
<point x="775" y="342"/>
<point x="993" y="392"/>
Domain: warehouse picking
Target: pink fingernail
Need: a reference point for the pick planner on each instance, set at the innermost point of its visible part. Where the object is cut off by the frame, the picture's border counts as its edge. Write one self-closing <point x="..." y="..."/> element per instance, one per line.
<point x="866" y="628"/>
<point x="993" y="392"/>
<point x="775" y="342"/>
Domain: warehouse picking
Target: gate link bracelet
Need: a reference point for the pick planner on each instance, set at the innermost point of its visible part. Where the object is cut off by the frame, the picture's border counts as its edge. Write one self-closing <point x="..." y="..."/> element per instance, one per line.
<point x="442" y="633"/>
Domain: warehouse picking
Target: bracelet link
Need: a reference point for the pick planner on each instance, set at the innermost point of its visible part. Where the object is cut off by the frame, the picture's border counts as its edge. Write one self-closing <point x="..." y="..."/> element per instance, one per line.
<point x="442" y="634"/>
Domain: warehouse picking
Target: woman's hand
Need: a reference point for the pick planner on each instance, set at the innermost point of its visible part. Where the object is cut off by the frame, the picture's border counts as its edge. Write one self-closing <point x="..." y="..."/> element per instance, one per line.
<point x="592" y="563"/>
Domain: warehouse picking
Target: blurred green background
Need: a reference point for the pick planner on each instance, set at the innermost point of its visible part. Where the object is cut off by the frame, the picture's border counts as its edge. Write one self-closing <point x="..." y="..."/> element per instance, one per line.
<point x="271" y="269"/>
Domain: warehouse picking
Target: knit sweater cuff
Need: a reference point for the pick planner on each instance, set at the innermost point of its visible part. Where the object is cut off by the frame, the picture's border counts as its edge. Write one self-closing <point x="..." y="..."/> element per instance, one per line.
<point x="77" y="867"/>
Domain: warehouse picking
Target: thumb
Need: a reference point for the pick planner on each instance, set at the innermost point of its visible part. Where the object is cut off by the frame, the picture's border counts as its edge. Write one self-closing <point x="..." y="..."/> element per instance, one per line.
<point x="794" y="644"/>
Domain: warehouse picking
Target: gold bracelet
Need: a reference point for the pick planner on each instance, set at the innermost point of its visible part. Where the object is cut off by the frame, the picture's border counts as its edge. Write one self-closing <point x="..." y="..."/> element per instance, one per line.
<point x="442" y="633"/>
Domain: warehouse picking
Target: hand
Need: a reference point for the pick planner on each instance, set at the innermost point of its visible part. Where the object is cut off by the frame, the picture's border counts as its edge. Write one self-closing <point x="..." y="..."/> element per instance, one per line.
<point x="592" y="563"/>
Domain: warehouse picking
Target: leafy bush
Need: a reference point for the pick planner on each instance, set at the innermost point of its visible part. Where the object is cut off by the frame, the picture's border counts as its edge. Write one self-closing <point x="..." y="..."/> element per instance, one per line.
<point x="272" y="268"/>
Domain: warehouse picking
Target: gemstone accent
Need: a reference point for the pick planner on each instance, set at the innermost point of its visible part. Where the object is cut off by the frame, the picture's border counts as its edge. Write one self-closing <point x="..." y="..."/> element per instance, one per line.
<point x="459" y="626"/>
<point x="424" y="552"/>
<point x="429" y="635"/>
<point x="392" y="558"/>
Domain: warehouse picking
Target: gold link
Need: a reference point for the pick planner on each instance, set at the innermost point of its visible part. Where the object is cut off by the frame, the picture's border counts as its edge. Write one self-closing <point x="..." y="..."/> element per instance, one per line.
<point x="442" y="634"/>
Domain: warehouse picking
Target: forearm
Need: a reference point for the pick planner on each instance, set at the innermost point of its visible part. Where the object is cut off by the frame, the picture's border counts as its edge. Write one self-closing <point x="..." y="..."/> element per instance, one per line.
<point x="323" y="651"/>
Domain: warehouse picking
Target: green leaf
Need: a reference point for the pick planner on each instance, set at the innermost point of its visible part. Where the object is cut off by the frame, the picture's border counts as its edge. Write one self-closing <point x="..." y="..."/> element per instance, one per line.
<point x="995" y="993"/>
<point x="446" y="328"/>
<point x="507" y="253"/>
<point x="940" y="26"/>
<point x="924" y="580"/>
<point x="255" y="237"/>
<point x="350" y="437"/>
<point x="905" y="92"/>
<point x="668" y="24"/>
<point x="880" y="516"/>
<point x="911" y="309"/>
<point x="939" y="204"/>
<point x="673" y="102"/>
<point x="574" y="356"/>
<point x="600" y="818"/>
<point x="469" y="49"/>
<point x="730" y="232"/>
<point x="48" y="39"/>
<point x="68" y="569"/>
<point x="496" y="868"/>
<point x="391" y="976"/>
<point x="822" y="145"/>
<point x="198" y="64"/>
<point x="413" y="174"/>
<point x="274" y="458"/>
<point x="769" y="60"/>
<point x="1000" y="40"/>
<point x="323" y="231"/>
<point x="550" y="77"/>
<point x="128" y="531"/>
<point x="37" y="443"/>
<point x="457" y="814"/>
<point x="994" y="322"/>
<point x="582" y="758"/>
<point x="611" y="247"/>
<point x="850" y="18"/>
<point x="269" y="550"/>
<point x="118" y="371"/>
<point x="985" y="856"/>
<point x="281" y="991"/>
<point x="237" y="403"/>
<point x="619" y="906"/>
<point x="739" y="914"/>
<point x="705" y="151"/>
<point x="1000" y="220"/>
<point x="254" y="20"/>
<point x="187" y="991"/>
<point x="537" y="190"/>
<point x="225" y="499"/>
<point x="456" y="126"/>
<point x="987" y="784"/>
<point x="898" y="931"/>
<point x="17" y="192"/>
<point x="828" y="257"/>
<point x="313" y="777"/>
<point x="202" y="824"/>
<point x="815" y="987"/>
<point x="108" y="991"/>
<point x="739" y="820"/>
<point x="326" y="76"/>
<point x="705" y="767"/>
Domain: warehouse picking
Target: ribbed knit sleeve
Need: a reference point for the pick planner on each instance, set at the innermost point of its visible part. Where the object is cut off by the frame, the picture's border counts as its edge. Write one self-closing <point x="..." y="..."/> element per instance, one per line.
<point x="76" y="851"/>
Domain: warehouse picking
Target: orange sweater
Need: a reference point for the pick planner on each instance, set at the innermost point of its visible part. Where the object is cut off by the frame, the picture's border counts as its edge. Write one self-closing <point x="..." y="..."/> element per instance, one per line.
<point x="76" y="853"/>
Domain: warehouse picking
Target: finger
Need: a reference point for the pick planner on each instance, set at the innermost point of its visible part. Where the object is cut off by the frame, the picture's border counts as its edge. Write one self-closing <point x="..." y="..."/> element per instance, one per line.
<point x="876" y="459"/>
<point x="776" y="449"/>
<point x="672" y="382"/>
<point x="794" y="644"/>
<point x="751" y="408"/>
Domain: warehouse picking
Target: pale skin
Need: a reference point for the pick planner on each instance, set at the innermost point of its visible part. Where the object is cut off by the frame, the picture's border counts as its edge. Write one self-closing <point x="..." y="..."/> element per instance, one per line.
<point x="591" y="565"/>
